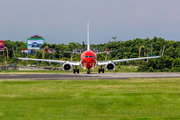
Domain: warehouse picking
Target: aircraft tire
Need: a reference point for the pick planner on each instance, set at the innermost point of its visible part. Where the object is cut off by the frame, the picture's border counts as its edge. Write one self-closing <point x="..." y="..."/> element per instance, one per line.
<point x="77" y="71"/>
<point x="74" y="71"/>
<point x="102" y="70"/>
<point x="99" y="70"/>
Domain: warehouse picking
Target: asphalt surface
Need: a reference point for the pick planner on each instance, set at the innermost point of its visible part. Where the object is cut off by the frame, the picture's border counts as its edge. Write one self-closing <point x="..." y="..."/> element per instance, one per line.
<point x="88" y="76"/>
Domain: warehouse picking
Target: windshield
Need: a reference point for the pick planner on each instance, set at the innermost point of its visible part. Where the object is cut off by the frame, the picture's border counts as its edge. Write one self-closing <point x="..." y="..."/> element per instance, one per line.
<point x="88" y="56"/>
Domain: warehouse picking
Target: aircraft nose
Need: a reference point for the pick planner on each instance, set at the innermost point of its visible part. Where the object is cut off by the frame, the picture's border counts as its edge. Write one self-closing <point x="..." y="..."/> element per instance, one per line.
<point x="88" y="60"/>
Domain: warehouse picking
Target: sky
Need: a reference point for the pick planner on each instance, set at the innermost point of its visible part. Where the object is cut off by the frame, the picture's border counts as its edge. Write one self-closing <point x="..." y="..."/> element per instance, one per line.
<point x="64" y="21"/>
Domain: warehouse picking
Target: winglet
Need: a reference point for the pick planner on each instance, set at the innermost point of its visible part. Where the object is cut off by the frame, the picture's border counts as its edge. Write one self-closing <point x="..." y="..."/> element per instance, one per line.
<point x="163" y="51"/>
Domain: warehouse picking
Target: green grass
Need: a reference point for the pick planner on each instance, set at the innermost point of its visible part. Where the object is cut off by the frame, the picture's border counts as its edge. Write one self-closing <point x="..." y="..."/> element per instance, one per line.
<point x="90" y="99"/>
<point x="122" y="69"/>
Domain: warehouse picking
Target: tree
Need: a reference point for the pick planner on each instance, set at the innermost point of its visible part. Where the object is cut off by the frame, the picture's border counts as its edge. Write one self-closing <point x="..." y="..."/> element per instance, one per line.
<point x="2" y="58"/>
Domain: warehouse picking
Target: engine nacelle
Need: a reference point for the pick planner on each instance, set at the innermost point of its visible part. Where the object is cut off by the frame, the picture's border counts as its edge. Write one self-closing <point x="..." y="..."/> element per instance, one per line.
<point x="110" y="66"/>
<point x="67" y="67"/>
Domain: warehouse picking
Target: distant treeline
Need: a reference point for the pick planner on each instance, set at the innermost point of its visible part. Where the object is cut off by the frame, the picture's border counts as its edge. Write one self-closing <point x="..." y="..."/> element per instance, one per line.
<point x="125" y="49"/>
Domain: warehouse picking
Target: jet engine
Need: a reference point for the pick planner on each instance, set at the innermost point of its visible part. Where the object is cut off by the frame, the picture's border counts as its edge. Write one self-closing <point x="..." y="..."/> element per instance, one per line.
<point x="67" y="67"/>
<point x="110" y="66"/>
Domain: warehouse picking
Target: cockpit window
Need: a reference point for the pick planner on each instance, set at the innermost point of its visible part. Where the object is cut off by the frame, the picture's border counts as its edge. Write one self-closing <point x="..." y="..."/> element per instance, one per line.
<point x="88" y="56"/>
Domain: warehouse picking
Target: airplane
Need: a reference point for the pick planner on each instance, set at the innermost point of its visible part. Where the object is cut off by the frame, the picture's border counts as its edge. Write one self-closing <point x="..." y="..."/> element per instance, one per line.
<point x="88" y="60"/>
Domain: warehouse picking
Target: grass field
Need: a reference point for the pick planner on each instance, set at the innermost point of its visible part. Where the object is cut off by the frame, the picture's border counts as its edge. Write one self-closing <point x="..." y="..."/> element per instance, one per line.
<point x="122" y="69"/>
<point x="90" y="99"/>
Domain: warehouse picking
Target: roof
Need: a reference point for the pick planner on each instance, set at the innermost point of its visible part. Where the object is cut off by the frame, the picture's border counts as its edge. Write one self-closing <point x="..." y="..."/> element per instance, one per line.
<point x="36" y="36"/>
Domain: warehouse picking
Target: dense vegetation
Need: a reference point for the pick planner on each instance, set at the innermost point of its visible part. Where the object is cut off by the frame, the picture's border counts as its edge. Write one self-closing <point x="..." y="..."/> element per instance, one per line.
<point x="125" y="49"/>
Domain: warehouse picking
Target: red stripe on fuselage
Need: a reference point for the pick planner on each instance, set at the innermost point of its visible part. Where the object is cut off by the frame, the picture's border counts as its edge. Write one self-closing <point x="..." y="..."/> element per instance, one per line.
<point x="88" y="59"/>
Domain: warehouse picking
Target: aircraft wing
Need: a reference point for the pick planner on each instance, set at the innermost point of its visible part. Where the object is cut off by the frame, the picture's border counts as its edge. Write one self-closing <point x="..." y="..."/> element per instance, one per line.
<point x="105" y="52"/>
<point x="124" y="60"/>
<point x="100" y="52"/>
<point x="47" y="60"/>
<point x="70" y="52"/>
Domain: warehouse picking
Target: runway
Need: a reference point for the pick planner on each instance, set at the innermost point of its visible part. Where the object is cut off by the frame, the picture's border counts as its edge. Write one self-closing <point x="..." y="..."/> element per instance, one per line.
<point x="88" y="76"/>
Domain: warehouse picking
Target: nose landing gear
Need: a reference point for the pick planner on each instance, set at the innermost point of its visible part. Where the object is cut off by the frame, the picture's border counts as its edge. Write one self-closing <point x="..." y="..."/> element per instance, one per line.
<point x="88" y="72"/>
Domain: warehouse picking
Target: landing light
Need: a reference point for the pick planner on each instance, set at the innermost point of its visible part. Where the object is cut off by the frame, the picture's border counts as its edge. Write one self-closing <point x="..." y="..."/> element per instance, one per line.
<point x="84" y="68"/>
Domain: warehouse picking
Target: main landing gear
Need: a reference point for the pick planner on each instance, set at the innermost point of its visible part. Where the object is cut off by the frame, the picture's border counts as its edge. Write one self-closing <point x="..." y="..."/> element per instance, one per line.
<point x="101" y="70"/>
<point x="76" y="70"/>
